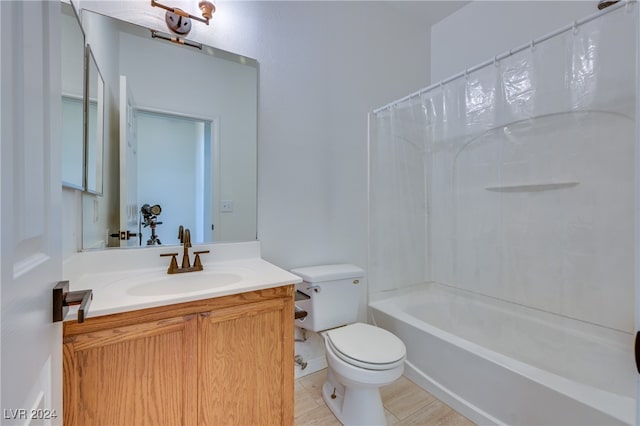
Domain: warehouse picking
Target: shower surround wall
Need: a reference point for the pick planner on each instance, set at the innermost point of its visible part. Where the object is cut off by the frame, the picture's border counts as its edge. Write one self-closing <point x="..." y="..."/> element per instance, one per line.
<point x="518" y="180"/>
<point x="512" y="189"/>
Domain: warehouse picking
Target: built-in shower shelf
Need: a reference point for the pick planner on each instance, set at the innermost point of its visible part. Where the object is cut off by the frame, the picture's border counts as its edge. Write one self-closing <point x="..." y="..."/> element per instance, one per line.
<point x="532" y="188"/>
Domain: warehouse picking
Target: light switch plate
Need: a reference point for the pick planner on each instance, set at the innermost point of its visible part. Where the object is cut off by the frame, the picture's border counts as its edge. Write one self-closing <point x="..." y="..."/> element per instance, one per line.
<point x="226" y="206"/>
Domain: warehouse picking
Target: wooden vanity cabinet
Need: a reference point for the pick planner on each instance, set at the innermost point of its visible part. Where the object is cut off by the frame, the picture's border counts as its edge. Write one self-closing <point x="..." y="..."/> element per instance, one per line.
<point x="221" y="361"/>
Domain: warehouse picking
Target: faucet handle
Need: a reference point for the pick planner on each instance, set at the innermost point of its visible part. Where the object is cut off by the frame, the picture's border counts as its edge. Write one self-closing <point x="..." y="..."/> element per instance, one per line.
<point x="181" y="233"/>
<point x="197" y="262"/>
<point x="173" y="265"/>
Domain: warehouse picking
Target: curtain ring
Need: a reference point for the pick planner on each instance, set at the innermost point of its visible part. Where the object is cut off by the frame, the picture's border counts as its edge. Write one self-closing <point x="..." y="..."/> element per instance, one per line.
<point x="575" y="27"/>
<point x="441" y="85"/>
<point x="495" y="61"/>
<point x="533" y="45"/>
<point x="466" y="74"/>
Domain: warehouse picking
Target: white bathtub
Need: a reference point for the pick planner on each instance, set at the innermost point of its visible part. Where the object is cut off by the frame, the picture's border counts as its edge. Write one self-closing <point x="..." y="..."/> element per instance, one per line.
<point x="501" y="363"/>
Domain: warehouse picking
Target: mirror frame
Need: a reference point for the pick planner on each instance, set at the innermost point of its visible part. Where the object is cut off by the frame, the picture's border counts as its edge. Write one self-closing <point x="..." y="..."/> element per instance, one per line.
<point x="99" y="137"/>
<point x="80" y="186"/>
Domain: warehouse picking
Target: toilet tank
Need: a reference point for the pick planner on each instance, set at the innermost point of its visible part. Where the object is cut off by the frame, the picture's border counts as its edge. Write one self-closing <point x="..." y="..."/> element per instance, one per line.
<point x="333" y="295"/>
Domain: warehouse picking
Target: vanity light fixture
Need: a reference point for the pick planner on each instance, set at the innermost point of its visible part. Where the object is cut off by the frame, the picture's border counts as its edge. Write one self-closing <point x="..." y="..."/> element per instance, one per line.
<point x="174" y="39"/>
<point x="179" y="21"/>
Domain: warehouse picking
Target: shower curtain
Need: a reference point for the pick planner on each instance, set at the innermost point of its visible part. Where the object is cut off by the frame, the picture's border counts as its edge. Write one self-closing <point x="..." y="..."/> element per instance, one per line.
<point x="517" y="181"/>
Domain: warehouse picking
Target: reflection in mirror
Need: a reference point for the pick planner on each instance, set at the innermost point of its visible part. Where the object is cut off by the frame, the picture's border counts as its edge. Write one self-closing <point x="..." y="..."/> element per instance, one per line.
<point x="72" y="143"/>
<point x="187" y="143"/>
<point x="94" y="105"/>
<point x="189" y="181"/>
<point x="72" y="58"/>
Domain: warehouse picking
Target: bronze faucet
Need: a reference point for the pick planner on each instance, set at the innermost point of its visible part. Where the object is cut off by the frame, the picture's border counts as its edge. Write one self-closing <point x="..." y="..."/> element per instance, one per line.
<point x="186" y="244"/>
<point x="185" y="238"/>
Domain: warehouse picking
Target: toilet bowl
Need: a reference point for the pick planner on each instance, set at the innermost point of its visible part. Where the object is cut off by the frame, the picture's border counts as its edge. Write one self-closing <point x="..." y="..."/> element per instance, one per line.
<point x="360" y="357"/>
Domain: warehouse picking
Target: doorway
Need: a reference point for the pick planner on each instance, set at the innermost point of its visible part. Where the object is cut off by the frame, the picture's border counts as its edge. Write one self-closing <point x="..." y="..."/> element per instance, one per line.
<point x="175" y="171"/>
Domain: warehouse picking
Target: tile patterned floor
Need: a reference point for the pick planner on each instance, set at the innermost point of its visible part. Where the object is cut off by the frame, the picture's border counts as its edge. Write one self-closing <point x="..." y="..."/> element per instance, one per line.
<point x="405" y="403"/>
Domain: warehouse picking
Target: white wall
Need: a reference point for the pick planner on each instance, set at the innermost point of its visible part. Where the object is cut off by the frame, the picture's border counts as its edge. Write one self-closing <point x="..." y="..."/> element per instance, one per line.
<point x="345" y="59"/>
<point x="483" y="29"/>
<point x="71" y="221"/>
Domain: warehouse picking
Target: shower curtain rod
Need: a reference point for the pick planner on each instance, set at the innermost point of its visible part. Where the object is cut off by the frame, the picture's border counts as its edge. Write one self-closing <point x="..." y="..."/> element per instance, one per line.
<point x="574" y="26"/>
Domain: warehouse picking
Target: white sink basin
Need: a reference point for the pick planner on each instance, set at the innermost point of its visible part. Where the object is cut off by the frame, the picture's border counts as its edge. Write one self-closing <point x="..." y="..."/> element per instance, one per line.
<point x="186" y="283"/>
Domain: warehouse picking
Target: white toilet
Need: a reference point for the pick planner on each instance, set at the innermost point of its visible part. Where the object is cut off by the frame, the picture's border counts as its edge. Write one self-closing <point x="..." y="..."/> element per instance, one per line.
<point x="361" y="357"/>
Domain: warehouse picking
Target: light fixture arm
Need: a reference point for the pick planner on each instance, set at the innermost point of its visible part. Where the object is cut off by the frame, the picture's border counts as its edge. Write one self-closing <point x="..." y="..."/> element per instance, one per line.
<point x="174" y="39"/>
<point x="207" y="10"/>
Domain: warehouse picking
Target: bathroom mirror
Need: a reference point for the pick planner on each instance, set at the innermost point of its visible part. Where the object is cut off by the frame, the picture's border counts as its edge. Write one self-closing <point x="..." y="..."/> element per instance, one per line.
<point x="180" y="133"/>
<point x="93" y="136"/>
<point x="72" y="65"/>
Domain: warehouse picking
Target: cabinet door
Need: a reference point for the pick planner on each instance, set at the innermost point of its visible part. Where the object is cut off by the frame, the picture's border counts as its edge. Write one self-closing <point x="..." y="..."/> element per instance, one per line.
<point x="245" y="354"/>
<point x="143" y="374"/>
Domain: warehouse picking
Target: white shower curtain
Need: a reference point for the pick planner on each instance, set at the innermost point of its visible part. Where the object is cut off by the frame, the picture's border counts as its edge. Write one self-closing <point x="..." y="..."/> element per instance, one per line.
<point x="518" y="180"/>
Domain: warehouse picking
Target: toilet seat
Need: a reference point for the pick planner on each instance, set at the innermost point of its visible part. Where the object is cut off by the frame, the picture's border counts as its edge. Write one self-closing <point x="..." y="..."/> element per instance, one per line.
<point x="366" y="346"/>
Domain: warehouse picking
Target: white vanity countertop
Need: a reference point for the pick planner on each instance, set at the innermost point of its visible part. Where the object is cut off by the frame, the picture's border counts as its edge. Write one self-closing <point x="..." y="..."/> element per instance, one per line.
<point x="120" y="284"/>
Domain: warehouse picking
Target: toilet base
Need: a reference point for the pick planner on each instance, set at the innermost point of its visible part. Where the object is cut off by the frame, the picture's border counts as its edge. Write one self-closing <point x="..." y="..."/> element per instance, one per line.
<point x="353" y="406"/>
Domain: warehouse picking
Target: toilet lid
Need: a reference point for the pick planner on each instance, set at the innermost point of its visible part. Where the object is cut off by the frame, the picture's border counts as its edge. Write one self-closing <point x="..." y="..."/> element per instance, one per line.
<point x="367" y="344"/>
